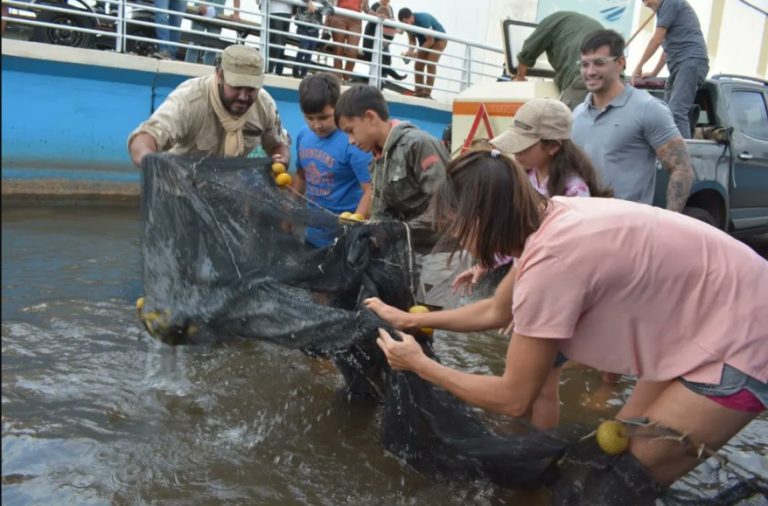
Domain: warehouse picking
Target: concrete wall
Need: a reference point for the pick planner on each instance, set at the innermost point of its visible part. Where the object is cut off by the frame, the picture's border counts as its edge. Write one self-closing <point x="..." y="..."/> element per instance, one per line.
<point x="66" y="114"/>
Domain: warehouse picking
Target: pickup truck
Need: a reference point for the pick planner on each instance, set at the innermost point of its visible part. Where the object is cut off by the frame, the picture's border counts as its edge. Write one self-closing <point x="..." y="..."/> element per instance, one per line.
<point x="729" y="153"/>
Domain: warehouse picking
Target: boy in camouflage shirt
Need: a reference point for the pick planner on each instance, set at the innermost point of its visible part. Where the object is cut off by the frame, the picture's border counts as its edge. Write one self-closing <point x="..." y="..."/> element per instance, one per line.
<point x="407" y="169"/>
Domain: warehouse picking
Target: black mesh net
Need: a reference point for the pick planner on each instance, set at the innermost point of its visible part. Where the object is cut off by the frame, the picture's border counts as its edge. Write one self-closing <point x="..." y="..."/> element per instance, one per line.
<point x="224" y="258"/>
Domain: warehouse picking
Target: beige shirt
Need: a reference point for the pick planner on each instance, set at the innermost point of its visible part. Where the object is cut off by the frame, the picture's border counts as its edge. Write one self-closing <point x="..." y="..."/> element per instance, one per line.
<point x="186" y="123"/>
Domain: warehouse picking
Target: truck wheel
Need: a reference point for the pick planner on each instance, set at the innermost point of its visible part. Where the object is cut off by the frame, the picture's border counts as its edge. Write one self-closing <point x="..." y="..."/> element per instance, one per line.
<point x="701" y="215"/>
<point x="62" y="36"/>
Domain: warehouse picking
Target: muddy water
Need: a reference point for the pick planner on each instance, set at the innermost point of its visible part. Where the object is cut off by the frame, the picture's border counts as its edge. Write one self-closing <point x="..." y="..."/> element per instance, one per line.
<point x="96" y="412"/>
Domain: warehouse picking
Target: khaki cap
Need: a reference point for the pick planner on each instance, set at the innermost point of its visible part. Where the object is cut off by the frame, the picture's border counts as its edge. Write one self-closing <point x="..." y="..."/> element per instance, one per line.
<point x="242" y="66"/>
<point x="538" y="119"/>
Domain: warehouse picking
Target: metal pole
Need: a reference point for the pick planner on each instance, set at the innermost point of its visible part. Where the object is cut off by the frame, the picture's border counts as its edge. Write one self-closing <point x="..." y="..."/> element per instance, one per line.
<point x="378" y="45"/>
<point x="466" y="74"/>
<point x="120" y="27"/>
<point x="265" y="15"/>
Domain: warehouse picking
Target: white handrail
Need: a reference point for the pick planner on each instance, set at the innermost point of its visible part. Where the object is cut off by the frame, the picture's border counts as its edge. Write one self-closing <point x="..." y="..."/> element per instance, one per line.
<point x="455" y="70"/>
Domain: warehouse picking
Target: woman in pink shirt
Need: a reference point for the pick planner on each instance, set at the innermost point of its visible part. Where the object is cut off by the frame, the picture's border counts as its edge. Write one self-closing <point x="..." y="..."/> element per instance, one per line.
<point x="618" y="286"/>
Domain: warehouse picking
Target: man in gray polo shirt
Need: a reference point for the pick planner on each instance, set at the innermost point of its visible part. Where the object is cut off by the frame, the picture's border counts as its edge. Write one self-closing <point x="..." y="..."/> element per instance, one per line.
<point x="624" y="130"/>
<point x="678" y="32"/>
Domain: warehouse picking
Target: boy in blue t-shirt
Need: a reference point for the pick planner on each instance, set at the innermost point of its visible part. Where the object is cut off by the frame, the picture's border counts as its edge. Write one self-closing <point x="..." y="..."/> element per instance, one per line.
<point x="332" y="173"/>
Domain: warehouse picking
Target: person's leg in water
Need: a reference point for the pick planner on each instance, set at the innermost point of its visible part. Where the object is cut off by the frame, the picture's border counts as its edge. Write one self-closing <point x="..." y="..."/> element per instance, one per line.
<point x="704" y="420"/>
<point x="545" y="413"/>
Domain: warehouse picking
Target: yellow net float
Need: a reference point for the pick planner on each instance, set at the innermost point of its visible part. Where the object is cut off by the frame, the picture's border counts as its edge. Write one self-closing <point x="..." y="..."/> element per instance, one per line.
<point x="421" y="309"/>
<point x="347" y="216"/>
<point x="612" y="437"/>
<point x="283" y="179"/>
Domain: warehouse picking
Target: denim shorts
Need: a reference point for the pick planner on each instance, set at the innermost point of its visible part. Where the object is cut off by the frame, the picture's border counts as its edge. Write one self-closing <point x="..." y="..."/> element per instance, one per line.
<point x="733" y="384"/>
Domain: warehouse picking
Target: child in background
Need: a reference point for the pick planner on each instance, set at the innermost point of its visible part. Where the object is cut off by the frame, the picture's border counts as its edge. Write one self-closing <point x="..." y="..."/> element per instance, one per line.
<point x="309" y="34"/>
<point x="331" y="172"/>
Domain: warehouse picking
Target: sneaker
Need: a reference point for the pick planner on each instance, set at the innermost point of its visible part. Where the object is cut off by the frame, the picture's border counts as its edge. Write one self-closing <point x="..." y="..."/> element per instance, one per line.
<point x="162" y="55"/>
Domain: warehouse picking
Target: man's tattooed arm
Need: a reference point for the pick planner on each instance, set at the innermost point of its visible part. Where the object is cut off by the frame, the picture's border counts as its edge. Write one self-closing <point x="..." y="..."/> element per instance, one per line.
<point x="674" y="157"/>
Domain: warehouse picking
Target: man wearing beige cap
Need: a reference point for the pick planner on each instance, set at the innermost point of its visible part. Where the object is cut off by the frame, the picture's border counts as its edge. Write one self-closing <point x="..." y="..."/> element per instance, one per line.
<point x="225" y="114"/>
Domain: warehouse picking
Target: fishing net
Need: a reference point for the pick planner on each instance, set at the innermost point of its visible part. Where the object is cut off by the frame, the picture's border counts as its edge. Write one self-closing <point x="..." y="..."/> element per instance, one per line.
<point x="225" y="258"/>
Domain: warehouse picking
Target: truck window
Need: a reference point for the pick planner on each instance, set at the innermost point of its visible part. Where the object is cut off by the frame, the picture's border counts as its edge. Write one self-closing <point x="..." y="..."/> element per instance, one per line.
<point x="749" y="112"/>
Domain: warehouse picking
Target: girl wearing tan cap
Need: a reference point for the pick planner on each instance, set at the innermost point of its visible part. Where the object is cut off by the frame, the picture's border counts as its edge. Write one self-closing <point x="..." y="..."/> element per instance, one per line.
<point x="539" y="139"/>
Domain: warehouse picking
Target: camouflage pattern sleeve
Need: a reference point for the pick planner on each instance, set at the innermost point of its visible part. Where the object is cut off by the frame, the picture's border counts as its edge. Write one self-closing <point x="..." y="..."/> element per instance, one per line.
<point x="429" y="162"/>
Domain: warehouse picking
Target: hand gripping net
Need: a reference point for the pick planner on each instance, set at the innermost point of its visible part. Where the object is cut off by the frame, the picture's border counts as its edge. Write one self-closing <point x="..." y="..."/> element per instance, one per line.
<point x="224" y="258"/>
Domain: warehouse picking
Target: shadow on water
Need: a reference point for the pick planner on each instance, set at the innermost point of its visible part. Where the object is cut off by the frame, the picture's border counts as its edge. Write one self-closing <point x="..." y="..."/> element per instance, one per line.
<point x="96" y="412"/>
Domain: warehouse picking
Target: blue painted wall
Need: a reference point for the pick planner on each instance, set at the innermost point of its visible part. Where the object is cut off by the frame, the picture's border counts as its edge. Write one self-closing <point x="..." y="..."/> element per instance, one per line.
<point x="71" y="121"/>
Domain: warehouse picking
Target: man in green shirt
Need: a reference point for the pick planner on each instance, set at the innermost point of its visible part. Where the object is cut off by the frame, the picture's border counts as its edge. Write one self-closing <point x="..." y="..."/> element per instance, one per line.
<point x="560" y="35"/>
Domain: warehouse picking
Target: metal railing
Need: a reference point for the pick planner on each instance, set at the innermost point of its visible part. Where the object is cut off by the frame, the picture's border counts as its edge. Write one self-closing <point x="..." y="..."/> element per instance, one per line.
<point x="129" y="26"/>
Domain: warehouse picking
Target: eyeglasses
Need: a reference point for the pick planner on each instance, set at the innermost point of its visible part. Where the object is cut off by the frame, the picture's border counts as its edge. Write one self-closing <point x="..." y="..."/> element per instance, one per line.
<point x="597" y="62"/>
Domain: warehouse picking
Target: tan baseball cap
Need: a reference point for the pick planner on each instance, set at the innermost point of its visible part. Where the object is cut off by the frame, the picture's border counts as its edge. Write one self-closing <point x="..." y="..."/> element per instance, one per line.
<point x="538" y="119"/>
<point x="243" y="66"/>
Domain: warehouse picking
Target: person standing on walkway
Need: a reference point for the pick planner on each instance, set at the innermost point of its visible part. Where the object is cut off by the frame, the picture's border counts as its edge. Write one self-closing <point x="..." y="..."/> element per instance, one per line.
<point x="383" y="9"/>
<point x="279" y="25"/>
<point x="209" y="57"/>
<point x="559" y="35"/>
<point x="308" y="21"/>
<point x="430" y="48"/>
<point x="165" y="20"/>
<point x="624" y="130"/>
<point x="678" y="32"/>
<point x="345" y="44"/>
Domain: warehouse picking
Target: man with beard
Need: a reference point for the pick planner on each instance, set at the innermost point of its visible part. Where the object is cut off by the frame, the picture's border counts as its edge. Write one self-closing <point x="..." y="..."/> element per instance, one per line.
<point x="225" y="114"/>
<point x="624" y="130"/>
